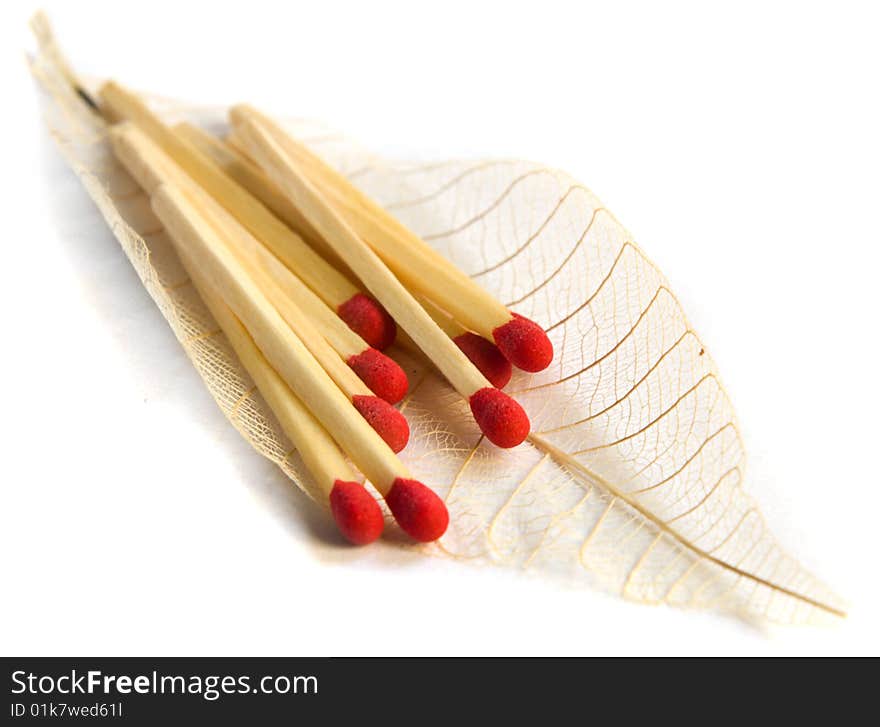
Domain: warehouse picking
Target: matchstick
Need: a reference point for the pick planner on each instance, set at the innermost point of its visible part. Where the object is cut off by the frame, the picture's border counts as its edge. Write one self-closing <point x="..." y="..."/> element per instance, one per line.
<point x="483" y="353"/>
<point x="357" y="514"/>
<point x="416" y="508"/>
<point x="151" y="168"/>
<point x="381" y="374"/>
<point x="499" y="417"/>
<point x="362" y="314"/>
<point x="416" y="264"/>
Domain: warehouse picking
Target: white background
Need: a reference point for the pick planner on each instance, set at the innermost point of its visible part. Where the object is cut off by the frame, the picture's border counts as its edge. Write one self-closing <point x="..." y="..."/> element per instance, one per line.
<point x="741" y="148"/>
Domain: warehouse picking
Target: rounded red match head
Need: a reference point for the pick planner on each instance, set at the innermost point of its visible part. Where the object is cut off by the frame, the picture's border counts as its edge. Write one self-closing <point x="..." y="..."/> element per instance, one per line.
<point x="369" y="320"/>
<point x="486" y="357"/>
<point x="500" y="418"/>
<point x="417" y="509"/>
<point x="357" y="514"/>
<point x="382" y="375"/>
<point x="524" y="344"/>
<point x="389" y="423"/>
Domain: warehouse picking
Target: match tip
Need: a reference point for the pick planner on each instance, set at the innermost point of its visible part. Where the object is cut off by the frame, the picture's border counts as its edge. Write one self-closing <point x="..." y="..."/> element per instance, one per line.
<point x="357" y="514"/>
<point x="500" y="418"/>
<point x="486" y="357"/>
<point x="524" y="344"/>
<point x="389" y="423"/>
<point x="382" y="375"/>
<point x="417" y="509"/>
<point x="369" y="320"/>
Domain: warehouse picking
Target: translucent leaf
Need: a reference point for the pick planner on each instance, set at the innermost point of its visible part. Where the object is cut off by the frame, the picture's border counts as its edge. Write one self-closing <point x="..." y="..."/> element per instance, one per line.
<point x="633" y="477"/>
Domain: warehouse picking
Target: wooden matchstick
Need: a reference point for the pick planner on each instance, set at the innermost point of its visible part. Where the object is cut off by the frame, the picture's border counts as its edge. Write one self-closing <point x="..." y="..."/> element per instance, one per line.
<point x="151" y="168"/>
<point x="415" y="263"/>
<point x="355" y="511"/>
<point x="416" y="508"/>
<point x="481" y="352"/>
<point x="364" y="315"/>
<point x="500" y="418"/>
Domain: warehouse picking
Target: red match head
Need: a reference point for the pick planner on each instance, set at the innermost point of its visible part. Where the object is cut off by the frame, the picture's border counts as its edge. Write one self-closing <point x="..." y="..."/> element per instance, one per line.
<point x="500" y="418"/>
<point x="486" y="357"/>
<point x="382" y="375"/>
<point x="357" y="514"/>
<point x="389" y="423"/>
<point x="369" y="320"/>
<point x="417" y="509"/>
<point x="524" y="344"/>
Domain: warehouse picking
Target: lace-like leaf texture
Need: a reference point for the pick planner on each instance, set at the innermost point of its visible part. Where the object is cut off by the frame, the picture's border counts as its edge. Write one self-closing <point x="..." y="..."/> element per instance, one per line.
<point x="633" y="477"/>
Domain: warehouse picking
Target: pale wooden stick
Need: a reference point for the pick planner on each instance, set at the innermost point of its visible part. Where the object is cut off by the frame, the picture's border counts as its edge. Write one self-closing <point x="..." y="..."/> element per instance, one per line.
<point x="380" y="281"/>
<point x="341" y="338"/>
<point x="447" y="323"/>
<point x="281" y="347"/>
<point x="418" y="265"/>
<point x="321" y="455"/>
<point x="320" y="276"/>
<point x="142" y="159"/>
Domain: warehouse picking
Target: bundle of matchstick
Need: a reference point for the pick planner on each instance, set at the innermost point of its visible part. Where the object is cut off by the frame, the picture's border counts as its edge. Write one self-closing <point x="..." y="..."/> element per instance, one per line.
<point x="309" y="279"/>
